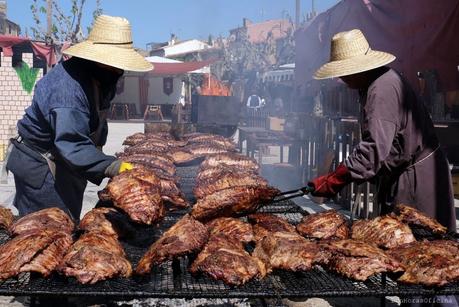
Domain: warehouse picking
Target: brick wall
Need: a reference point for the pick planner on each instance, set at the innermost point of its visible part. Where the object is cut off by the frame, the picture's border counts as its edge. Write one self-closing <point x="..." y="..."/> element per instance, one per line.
<point x="13" y="99"/>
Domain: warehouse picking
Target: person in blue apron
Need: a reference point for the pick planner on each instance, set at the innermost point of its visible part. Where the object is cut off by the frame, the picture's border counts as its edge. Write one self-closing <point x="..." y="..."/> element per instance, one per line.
<point x="58" y="148"/>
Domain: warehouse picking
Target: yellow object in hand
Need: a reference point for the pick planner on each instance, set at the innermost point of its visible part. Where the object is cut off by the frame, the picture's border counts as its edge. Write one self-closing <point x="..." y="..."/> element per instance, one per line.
<point x="125" y="166"/>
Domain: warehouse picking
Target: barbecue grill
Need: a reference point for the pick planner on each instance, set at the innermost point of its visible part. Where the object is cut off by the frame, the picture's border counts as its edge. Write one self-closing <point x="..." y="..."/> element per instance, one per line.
<point x="172" y="279"/>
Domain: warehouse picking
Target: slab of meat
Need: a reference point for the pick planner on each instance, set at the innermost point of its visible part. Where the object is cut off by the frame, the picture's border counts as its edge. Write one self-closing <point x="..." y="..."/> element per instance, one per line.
<point x="148" y="155"/>
<point x="231" y="227"/>
<point x="173" y="195"/>
<point x="228" y="181"/>
<point x="137" y="193"/>
<point x="289" y="251"/>
<point x="148" y="144"/>
<point x="6" y="218"/>
<point x="224" y="258"/>
<point x="235" y="201"/>
<point x="266" y="223"/>
<point x="359" y="260"/>
<point x="152" y="162"/>
<point x="182" y="155"/>
<point x="215" y="140"/>
<point x="324" y="225"/>
<point x="103" y="220"/>
<point x="412" y="216"/>
<point x="94" y="257"/>
<point x="49" y="218"/>
<point x="135" y="139"/>
<point x="384" y="231"/>
<point x="205" y="149"/>
<point x="230" y="159"/>
<point x="214" y="173"/>
<point x="186" y="236"/>
<point x="35" y="250"/>
<point x="430" y="263"/>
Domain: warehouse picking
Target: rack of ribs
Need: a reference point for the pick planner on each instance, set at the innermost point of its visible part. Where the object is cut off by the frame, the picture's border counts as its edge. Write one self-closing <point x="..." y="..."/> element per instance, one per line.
<point x="324" y="225"/>
<point x="234" y="201"/>
<point x="266" y="223"/>
<point x="104" y="220"/>
<point x="231" y="227"/>
<point x="384" y="231"/>
<point x="217" y="140"/>
<point x="95" y="257"/>
<point x="205" y="149"/>
<point x="152" y="162"/>
<point x="186" y="236"/>
<point x="430" y="263"/>
<point x="213" y="173"/>
<point x="49" y="218"/>
<point x="412" y="216"/>
<point x="224" y="258"/>
<point x="230" y="159"/>
<point x="6" y="218"/>
<point x="359" y="260"/>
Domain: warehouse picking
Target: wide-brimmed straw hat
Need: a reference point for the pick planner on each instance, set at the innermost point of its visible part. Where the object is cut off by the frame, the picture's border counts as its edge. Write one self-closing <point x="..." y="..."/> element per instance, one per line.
<point x="350" y="54"/>
<point x="110" y="43"/>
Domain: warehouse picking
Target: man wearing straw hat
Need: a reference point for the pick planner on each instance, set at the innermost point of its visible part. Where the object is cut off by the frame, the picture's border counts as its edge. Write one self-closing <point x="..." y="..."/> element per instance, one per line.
<point x="61" y="133"/>
<point x="399" y="150"/>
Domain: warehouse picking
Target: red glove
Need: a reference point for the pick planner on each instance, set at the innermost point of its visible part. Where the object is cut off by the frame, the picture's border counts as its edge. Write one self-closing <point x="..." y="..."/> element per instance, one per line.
<point x="330" y="184"/>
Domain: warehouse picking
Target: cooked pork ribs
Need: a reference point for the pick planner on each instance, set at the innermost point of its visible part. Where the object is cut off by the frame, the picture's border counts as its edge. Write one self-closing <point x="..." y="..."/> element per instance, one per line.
<point x="212" y="140"/>
<point x="228" y="181"/>
<point x="384" y="231"/>
<point x="171" y="194"/>
<point x="152" y="162"/>
<point x="6" y="218"/>
<point x="103" y="220"/>
<point x="412" y="216"/>
<point x="289" y="251"/>
<point x="137" y="193"/>
<point x="186" y="236"/>
<point x="266" y="223"/>
<point x="49" y="218"/>
<point x="35" y="250"/>
<point x="95" y="257"/>
<point x="231" y="227"/>
<point x="214" y="173"/>
<point x="230" y="159"/>
<point x="324" y="225"/>
<point x="430" y="263"/>
<point x="359" y="260"/>
<point x="232" y="202"/>
<point x="224" y="258"/>
<point x="204" y="149"/>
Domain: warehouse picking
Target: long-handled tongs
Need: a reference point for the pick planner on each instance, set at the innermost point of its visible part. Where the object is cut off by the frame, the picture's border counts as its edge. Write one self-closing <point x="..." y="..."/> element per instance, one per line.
<point x="292" y="194"/>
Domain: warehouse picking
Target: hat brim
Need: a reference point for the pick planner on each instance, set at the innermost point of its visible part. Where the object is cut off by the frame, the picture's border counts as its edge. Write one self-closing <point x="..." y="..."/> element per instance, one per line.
<point x="122" y="58"/>
<point x="373" y="59"/>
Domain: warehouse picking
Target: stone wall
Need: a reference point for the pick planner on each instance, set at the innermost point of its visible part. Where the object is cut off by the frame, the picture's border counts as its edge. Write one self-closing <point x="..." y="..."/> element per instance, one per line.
<point x="13" y="98"/>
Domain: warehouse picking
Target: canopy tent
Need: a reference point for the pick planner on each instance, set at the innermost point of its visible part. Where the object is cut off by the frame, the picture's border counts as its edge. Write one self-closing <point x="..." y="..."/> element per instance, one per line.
<point x="422" y="34"/>
<point x="162" y="68"/>
<point x="40" y="49"/>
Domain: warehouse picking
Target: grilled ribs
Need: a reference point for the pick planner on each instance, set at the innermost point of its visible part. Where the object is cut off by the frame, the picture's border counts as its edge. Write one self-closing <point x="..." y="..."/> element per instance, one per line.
<point x="230" y="159"/>
<point x="231" y="227"/>
<point x="289" y="251"/>
<point x="94" y="257"/>
<point x="266" y="223"/>
<point x="412" y="216"/>
<point x="383" y="231"/>
<point x="49" y="218"/>
<point x="214" y="173"/>
<point x="324" y="225"/>
<point x="6" y="218"/>
<point x="211" y="139"/>
<point x="232" y="202"/>
<point x="359" y="260"/>
<point x="430" y="263"/>
<point x="186" y="236"/>
<point x="103" y="220"/>
<point x="137" y="193"/>
<point x="224" y="258"/>
<point x="205" y="149"/>
<point x="152" y="162"/>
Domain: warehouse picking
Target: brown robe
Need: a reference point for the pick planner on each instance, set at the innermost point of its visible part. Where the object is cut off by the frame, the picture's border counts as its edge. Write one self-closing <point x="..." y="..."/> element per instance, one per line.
<point x="400" y="152"/>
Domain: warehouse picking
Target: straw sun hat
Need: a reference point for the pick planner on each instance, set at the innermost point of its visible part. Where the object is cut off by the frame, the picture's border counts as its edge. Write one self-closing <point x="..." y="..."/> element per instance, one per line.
<point x="351" y="54"/>
<point x="110" y="43"/>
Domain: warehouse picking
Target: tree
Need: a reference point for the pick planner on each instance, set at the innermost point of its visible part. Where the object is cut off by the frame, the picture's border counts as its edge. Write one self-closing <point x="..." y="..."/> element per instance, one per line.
<point x="64" y="27"/>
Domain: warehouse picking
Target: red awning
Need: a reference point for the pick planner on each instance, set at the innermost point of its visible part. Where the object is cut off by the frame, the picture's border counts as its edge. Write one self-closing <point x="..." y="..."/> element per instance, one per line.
<point x="162" y="69"/>
<point x="40" y="49"/>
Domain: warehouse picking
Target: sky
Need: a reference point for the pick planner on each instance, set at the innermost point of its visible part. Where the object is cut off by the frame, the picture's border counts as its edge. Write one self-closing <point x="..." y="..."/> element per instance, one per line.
<point x="155" y="20"/>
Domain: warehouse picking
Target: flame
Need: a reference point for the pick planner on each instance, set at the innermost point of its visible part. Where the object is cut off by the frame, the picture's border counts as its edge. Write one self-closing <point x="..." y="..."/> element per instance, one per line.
<point x="212" y="87"/>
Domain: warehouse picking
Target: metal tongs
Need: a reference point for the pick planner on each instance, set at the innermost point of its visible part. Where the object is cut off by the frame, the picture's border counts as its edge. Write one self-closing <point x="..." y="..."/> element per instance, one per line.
<point x="292" y="194"/>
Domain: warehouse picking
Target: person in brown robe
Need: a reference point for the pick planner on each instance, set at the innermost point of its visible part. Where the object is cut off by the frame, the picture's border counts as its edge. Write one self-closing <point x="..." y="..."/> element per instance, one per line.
<point x="399" y="150"/>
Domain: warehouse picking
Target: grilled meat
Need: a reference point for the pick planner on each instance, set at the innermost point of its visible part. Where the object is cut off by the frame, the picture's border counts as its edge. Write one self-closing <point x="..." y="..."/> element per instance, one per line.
<point x="151" y="162"/>
<point x="182" y="155"/>
<point x="6" y="218"/>
<point x="205" y="149"/>
<point x="49" y="218"/>
<point x="230" y="159"/>
<point x="172" y="194"/>
<point x="412" y="216"/>
<point x="266" y="223"/>
<point x="232" y="202"/>
<point x="383" y="231"/>
<point x="324" y="225"/>
<point x="36" y="250"/>
<point x="161" y="157"/>
<point x="430" y="263"/>
<point x="148" y="144"/>
<point x="224" y="258"/>
<point x="103" y="220"/>
<point x="231" y="227"/>
<point x="134" y="139"/>
<point x="186" y="236"/>
<point x="289" y="251"/>
<point x="225" y="182"/>
<point x="359" y="260"/>
<point x="94" y="257"/>
<point x="214" y="173"/>
<point x="137" y="193"/>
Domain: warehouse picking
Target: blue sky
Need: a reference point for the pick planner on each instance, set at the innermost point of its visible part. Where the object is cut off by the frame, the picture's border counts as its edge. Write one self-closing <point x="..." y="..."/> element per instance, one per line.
<point x="155" y="20"/>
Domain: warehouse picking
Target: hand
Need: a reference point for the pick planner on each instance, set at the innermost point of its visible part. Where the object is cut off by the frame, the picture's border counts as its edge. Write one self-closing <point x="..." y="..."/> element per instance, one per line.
<point x="125" y="166"/>
<point x="330" y="184"/>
